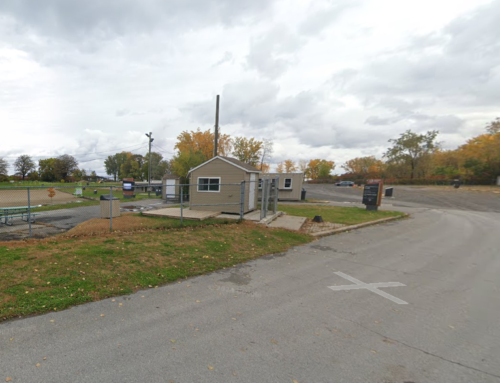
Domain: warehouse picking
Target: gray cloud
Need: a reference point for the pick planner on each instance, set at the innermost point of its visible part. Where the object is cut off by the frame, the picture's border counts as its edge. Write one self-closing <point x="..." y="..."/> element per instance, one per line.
<point x="323" y="18"/>
<point x="74" y="19"/>
<point x="458" y="65"/>
<point x="257" y="106"/>
<point x="273" y="53"/>
<point x="122" y="68"/>
<point x="228" y="57"/>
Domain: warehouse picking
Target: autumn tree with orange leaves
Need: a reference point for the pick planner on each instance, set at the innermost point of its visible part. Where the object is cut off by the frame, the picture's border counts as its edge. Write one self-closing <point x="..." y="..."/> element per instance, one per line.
<point x="365" y="167"/>
<point x="195" y="147"/>
<point x="287" y="166"/>
<point x="319" y="168"/>
<point x="478" y="160"/>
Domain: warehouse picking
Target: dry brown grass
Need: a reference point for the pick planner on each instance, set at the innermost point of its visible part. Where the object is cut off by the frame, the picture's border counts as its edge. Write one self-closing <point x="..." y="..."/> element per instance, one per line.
<point x="127" y="222"/>
<point x="19" y="197"/>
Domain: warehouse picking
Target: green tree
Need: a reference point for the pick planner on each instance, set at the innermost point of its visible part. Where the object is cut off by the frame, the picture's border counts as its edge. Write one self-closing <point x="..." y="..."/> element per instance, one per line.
<point x="158" y="166"/>
<point x="65" y="165"/>
<point x="248" y="150"/>
<point x="23" y="165"/>
<point x="80" y="174"/>
<point x="113" y="164"/>
<point x="3" y="167"/>
<point x="412" y="150"/>
<point x="33" y="176"/>
<point x="132" y="167"/>
<point x="46" y="169"/>
<point x="184" y="161"/>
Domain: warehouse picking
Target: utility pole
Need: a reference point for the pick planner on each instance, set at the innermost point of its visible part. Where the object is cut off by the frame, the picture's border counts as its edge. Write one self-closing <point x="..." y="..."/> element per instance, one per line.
<point x="149" y="171"/>
<point x="216" y="140"/>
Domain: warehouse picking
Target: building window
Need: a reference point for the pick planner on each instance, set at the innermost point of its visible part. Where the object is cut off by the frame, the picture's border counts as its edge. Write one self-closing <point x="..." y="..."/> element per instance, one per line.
<point x="209" y="184"/>
<point x="260" y="183"/>
<point x="288" y="183"/>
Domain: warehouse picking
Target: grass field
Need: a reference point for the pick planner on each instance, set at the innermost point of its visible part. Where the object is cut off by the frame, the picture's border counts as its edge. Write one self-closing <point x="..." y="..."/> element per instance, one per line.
<point x="89" y="263"/>
<point x="86" y="265"/>
<point x="336" y="214"/>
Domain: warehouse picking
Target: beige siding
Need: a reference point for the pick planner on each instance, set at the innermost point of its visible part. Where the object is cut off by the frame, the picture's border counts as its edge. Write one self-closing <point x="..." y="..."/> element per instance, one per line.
<point x="292" y="194"/>
<point x="228" y="174"/>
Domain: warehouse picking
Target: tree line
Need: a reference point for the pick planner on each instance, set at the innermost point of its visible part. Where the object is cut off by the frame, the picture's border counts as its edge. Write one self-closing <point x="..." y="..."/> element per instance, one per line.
<point x="419" y="159"/>
<point x="56" y="169"/>
<point x="410" y="158"/>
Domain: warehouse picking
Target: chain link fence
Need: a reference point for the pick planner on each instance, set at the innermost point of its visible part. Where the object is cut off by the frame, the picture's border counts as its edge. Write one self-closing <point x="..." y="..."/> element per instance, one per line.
<point x="41" y="211"/>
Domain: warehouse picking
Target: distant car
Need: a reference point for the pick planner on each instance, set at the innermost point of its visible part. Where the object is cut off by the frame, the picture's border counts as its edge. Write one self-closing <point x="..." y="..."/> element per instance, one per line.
<point x="345" y="183"/>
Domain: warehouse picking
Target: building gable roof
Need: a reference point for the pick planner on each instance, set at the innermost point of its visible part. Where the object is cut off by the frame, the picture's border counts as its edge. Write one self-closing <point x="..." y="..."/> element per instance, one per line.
<point x="232" y="161"/>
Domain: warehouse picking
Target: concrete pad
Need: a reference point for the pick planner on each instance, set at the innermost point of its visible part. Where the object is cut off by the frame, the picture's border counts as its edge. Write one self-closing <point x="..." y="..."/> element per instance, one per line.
<point x="251" y="216"/>
<point x="175" y="212"/>
<point x="289" y="222"/>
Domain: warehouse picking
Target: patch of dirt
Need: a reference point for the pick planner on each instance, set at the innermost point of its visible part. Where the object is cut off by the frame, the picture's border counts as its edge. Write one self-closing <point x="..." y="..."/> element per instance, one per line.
<point x="19" y="197"/>
<point x="124" y="223"/>
<point x="315" y="227"/>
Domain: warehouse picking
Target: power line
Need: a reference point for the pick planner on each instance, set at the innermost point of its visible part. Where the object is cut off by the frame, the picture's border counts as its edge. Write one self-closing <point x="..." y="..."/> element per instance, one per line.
<point x="103" y="158"/>
<point x="162" y="150"/>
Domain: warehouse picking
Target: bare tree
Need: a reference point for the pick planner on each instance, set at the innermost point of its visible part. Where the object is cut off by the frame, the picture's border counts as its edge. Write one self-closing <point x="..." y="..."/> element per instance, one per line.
<point x="267" y="151"/>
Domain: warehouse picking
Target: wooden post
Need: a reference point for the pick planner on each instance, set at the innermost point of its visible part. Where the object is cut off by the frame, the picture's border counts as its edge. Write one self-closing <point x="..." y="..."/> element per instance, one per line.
<point x="216" y="138"/>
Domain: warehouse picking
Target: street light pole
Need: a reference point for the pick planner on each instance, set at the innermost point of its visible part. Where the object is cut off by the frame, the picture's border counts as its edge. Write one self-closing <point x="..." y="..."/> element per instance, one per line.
<point x="149" y="171"/>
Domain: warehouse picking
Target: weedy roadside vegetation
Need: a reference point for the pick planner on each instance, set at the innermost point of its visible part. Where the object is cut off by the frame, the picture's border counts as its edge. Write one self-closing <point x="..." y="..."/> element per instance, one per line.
<point x="88" y="263"/>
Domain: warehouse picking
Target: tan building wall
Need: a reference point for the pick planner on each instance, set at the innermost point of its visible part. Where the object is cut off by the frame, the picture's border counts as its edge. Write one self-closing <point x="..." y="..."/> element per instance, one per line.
<point x="228" y="174"/>
<point x="288" y="194"/>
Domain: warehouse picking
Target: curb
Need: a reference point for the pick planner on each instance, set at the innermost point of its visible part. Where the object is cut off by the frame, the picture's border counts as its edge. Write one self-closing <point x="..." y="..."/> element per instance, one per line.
<point x="358" y="226"/>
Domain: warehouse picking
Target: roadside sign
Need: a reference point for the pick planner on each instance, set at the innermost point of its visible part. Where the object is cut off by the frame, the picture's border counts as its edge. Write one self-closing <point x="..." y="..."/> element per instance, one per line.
<point x="128" y="186"/>
<point x="372" y="195"/>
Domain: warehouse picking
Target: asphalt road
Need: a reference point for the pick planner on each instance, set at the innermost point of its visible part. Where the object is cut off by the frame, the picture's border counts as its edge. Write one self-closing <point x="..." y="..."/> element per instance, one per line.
<point x="414" y="196"/>
<point x="276" y="319"/>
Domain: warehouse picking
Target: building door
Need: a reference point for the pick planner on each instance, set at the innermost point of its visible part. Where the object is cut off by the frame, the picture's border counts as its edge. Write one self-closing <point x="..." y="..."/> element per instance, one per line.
<point x="251" y="195"/>
<point x="170" y="189"/>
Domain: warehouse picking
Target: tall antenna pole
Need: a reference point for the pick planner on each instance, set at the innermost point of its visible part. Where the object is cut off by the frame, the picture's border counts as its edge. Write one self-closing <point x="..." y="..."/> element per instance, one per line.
<point x="149" y="171"/>
<point x="216" y="140"/>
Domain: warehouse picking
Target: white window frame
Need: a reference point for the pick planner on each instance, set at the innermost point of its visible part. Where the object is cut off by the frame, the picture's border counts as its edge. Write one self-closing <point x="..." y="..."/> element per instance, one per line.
<point x="284" y="183"/>
<point x="261" y="181"/>
<point x="208" y="191"/>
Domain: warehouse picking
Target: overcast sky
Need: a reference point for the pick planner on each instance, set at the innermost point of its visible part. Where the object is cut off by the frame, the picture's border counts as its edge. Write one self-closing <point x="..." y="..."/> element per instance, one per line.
<point x="323" y="79"/>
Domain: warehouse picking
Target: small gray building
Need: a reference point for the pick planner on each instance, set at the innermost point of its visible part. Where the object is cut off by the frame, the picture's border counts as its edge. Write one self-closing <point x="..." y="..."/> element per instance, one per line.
<point x="142" y="186"/>
<point x="289" y="185"/>
<point x="218" y="181"/>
